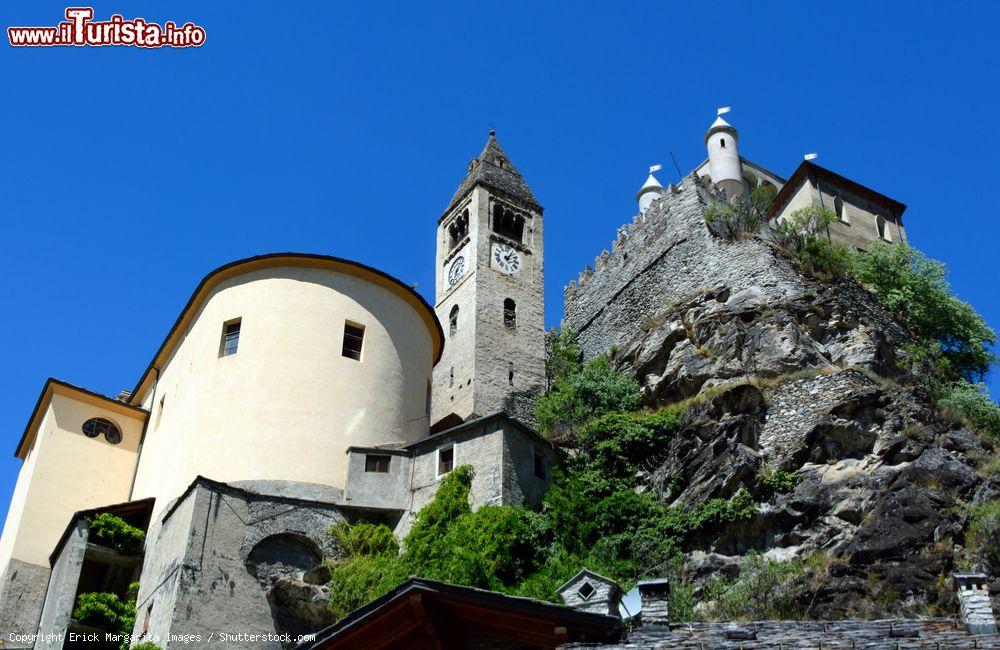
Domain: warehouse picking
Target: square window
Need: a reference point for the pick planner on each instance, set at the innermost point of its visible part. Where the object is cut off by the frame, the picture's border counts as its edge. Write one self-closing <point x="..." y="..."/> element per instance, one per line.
<point x="586" y="590"/>
<point x="446" y="460"/>
<point x="354" y="338"/>
<point x="377" y="463"/>
<point x="230" y="337"/>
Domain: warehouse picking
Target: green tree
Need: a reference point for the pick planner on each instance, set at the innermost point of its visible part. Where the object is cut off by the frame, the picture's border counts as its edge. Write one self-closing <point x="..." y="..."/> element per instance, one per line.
<point x="591" y="392"/>
<point x="564" y="355"/>
<point x="916" y="289"/>
<point x="364" y="538"/>
<point x="972" y="403"/>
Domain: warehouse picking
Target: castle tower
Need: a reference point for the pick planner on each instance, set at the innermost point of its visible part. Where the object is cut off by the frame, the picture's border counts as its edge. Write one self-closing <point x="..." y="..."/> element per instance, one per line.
<point x="724" y="164"/>
<point x="489" y="292"/>
<point x="650" y="190"/>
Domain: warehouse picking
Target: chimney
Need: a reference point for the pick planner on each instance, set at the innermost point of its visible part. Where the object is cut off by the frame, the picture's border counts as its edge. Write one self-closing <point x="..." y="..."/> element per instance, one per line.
<point x="592" y="592"/>
<point x="655" y="598"/>
<point x="974" y="600"/>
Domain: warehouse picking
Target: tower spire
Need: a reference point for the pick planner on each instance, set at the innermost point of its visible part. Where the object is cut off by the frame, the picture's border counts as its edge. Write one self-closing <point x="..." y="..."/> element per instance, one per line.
<point x="493" y="169"/>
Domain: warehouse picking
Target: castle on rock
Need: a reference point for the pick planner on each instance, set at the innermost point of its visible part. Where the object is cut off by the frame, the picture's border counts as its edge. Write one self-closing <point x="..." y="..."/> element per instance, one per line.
<point x="295" y="391"/>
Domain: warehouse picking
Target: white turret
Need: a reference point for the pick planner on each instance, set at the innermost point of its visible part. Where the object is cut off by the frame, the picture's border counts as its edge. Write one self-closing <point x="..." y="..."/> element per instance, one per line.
<point x="724" y="164"/>
<point x="650" y="190"/>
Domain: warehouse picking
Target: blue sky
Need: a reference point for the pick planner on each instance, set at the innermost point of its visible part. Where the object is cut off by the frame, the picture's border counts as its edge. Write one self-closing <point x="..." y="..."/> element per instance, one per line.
<point x="343" y="128"/>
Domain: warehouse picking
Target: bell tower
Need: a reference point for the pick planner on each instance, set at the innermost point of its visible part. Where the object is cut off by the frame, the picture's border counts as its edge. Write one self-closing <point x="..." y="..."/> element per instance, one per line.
<point x="489" y="293"/>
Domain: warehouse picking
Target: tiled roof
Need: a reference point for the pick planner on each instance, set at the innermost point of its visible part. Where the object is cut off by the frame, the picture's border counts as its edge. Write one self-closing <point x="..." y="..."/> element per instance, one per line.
<point x="901" y="634"/>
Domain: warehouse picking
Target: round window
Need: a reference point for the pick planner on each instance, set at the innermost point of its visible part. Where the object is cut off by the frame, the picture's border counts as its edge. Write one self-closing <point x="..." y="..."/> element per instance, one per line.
<point x="100" y="427"/>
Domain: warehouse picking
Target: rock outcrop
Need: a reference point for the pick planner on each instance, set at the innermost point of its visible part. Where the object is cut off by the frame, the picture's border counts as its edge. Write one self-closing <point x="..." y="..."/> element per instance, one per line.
<point x="810" y="384"/>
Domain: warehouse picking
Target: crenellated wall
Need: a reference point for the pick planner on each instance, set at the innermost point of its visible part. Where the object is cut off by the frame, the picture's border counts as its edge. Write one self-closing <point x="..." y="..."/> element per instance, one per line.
<point x="664" y="254"/>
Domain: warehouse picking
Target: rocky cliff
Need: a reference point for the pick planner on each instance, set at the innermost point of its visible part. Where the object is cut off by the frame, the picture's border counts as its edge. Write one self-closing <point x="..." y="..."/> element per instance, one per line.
<point x="802" y="377"/>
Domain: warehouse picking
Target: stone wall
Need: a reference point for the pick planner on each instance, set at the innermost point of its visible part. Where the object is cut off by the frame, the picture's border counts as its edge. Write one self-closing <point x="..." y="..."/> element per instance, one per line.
<point x="198" y="579"/>
<point x="61" y="594"/>
<point x="22" y="591"/>
<point x="664" y="255"/>
<point x="389" y="490"/>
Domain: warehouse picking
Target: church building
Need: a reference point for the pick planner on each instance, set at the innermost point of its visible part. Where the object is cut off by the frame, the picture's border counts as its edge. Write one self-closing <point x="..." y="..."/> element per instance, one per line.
<point x="292" y="392"/>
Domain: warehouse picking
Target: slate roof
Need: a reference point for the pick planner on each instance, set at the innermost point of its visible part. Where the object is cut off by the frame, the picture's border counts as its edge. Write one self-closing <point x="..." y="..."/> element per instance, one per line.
<point x="888" y="634"/>
<point x="494" y="169"/>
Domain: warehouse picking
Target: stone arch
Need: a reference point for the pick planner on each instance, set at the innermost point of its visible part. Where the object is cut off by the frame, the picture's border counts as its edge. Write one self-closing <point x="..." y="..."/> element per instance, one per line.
<point x="288" y="567"/>
<point x="282" y="555"/>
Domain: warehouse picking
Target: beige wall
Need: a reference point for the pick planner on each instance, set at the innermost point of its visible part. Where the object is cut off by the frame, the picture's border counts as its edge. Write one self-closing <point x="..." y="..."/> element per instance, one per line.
<point x="287" y="405"/>
<point x="65" y="471"/>
<point x="858" y="226"/>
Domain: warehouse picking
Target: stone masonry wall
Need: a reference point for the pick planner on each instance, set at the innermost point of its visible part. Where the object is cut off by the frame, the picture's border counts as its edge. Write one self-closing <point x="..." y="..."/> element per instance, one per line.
<point x="22" y="590"/>
<point x="61" y="595"/>
<point x="196" y="582"/>
<point x="665" y="254"/>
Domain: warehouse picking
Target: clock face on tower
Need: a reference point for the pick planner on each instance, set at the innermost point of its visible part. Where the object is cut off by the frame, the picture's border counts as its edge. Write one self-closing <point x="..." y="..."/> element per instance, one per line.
<point x="457" y="270"/>
<point x="506" y="258"/>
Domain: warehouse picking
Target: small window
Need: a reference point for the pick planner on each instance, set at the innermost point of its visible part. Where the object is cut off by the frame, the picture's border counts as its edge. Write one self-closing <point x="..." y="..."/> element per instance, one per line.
<point x="377" y="463"/>
<point x="159" y="413"/>
<point x="446" y="460"/>
<point x="354" y="338"/>
<point x="453" y="321"/>
<point x="883" y="233"/>
<point x="509" y="314"/>
<point x="510" y="373"/>
<point x="838" y="207"/>
<point x="230" y="337"/>
<point x="540" y="464"/>
<point x="451" y="377"/>
<point x="100" y="427"/>
<point x="586" y="590"/>
<point x="722" y="142"/>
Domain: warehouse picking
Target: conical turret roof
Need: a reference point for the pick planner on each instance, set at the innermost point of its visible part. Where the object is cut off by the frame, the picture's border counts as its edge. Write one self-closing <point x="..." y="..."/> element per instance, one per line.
<point x="494" y="169"/>
<point x="721" y="125"/>
<point x="650" y="184"/>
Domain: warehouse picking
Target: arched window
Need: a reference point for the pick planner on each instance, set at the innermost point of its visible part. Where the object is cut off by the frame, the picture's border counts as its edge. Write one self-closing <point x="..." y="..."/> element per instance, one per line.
<point x="508" y="223"/>
<point x="100" y="427"/>
<point x="838" y="207"/>
<point x="509" y="313"/>
<point x="453" y="321"/>
<point x="458" y="229"/>
<point x="722" y="142"/>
